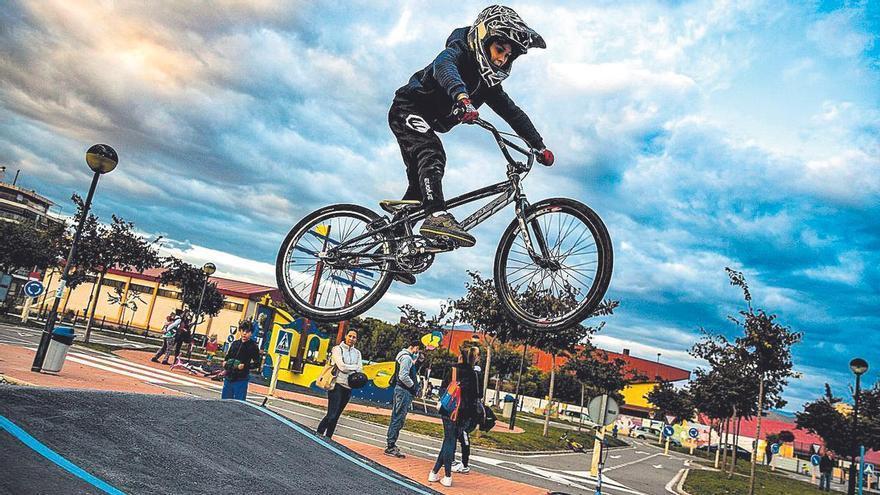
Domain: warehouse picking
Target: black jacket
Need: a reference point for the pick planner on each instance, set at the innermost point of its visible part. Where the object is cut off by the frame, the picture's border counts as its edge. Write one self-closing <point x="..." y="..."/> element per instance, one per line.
<point x="826" y="465"/>
<point x="471" y="391"/>
<point x="248" y="353"/>
<point x="435" y="88"/>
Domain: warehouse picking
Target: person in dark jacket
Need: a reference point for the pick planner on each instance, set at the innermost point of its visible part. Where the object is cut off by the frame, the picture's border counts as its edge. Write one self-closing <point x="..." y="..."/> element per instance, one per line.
<point x="406" y="385"/>
<point x="466" y="74"/>
<point x="471" y="393"/>
<point x="826" y="468"/>
<point x="241" y="357"/>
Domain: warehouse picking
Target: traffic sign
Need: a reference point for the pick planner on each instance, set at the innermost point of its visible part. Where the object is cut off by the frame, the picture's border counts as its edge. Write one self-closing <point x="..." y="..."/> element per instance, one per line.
<point x="693" y="433"/>
<point x="668" y="431"/>
<point x="814" y="459"/>
<point x="33" y="288"/>
<point x="774" y="448"/>
<point x="282" y="345"/>
<point x="230" y="339"/>
<point x="595" y="410"/>
<point x="869" y="469"/>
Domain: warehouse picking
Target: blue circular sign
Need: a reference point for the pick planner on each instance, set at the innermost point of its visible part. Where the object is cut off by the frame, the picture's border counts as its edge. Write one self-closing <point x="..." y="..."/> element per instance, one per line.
<point x="774" y="448"/>
<point x="33" y="288"/>
<point x="693" y="433"/>
<point x="814" y="459"/>
<point x="668" y="431"/>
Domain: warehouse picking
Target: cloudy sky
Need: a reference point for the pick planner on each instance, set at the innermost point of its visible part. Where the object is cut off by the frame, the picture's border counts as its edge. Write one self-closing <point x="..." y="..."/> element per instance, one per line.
<point x="706" y="134"/>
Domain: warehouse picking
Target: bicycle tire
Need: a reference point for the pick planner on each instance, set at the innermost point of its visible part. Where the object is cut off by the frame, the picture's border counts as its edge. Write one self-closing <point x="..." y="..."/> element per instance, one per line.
<point x="302" y="307"/>
<point x="604" y="258"/>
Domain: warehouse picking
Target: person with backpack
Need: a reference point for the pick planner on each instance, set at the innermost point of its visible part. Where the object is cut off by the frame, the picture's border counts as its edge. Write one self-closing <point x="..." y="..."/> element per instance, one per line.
<point x="464" y="432"/>
<point x="406" y="385"/>
<point x="458" y="409"/>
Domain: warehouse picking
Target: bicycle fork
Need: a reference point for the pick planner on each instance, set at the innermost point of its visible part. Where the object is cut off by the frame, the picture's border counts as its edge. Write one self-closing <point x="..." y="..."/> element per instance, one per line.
<point x="542" y="258"/>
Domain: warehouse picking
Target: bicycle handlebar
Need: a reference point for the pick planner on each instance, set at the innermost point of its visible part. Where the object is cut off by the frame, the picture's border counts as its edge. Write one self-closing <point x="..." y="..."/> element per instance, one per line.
<point x="504" y="143"/>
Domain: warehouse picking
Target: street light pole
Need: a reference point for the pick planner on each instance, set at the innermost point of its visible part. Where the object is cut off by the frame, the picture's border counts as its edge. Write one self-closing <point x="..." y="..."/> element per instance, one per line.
<point x="208" y="269"/>
<point x="102" y="159"/>
<point x="858" y="366"/>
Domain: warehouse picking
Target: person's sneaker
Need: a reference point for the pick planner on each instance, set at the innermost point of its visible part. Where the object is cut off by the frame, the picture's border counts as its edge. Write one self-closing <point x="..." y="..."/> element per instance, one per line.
<point x="394" y="452"/>
<point x="446" y="481"/>
<point x="155" y="360"/>
<point x="405" y="278"/>
<point x="442" y="226"/>
<point x="165" y="362"/>
<point x="460" y="468"/>
<point x="433" y="477"/>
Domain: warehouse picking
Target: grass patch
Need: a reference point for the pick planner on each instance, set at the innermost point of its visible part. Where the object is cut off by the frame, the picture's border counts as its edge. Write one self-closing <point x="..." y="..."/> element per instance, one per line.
<point x="97" y="347"/>
<point x="531" y="439"/>
<point x="715" y="483"/>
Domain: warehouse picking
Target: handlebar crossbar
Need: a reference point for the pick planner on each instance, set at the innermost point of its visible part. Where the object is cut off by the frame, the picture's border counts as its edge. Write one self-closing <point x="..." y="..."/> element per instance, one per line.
<point x="504" y="143"/>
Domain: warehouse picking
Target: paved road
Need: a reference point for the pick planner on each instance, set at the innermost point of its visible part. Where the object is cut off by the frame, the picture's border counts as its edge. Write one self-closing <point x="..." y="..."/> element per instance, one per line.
<point x="639" y="469"/>
<point x="18" y="335"/>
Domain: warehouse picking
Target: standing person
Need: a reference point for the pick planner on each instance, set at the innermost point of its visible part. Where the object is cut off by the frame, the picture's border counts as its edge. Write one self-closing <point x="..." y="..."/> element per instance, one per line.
<point x="406" y="386"/>
<point x="211" y="348"/>
<point x="462" y="373"/>
<point x="243" y="354"/>
<point x="826" y="468"/>
<point x="450" y="89"/>
<point x="768" y="453"/>
<point x="347" y="360"/>
<point x="467" y="428"/>
<point x="170" y="330"/>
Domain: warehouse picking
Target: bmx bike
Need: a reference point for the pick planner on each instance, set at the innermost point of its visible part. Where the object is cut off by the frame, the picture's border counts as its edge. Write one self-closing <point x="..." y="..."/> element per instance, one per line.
<point x="552" y="266"/>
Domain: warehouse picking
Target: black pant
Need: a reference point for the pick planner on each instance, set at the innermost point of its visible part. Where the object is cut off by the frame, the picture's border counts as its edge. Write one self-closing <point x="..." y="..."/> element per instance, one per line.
<point x="465" y="440"/>
<point x="337" y="399"/>
<point x="422" y="153"/>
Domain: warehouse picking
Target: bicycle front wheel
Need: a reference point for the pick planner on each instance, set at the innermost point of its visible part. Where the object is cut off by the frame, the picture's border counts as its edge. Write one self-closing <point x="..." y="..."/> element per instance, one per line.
<point x="325" y="277"/>
<point x="567" y="279"/>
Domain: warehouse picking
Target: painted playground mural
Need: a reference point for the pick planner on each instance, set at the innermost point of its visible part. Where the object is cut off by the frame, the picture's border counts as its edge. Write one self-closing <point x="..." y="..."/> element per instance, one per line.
<point x="282" y="343"/>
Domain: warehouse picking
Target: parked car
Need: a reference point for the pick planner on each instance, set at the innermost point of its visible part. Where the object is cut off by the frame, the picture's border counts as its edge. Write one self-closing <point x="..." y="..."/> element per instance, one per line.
<point x="741" y="453"/>
<point x="645" y="433"/>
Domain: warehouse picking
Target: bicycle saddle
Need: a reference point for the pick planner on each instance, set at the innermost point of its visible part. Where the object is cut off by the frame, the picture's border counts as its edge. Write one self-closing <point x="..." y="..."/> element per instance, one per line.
<point x="394" y="205"/>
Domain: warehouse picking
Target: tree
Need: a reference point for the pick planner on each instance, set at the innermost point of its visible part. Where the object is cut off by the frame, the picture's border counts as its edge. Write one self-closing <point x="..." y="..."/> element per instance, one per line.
<point x="600" y="374"/>
<point x="481" y="308"/>
<point x="766" y="350"/>
<point x="822" y="417"/>
<point x="506" y="363"/>
<point x="559" y="344"/>
<point x="114" y="246"/>
<point x="191" y="280"/>
<point x="26" y="245"/>
<point x="670" y="401"/>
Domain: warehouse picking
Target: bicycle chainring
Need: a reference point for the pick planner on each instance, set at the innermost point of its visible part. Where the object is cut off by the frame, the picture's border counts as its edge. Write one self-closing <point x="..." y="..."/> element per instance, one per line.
<point x="410" y="256"/>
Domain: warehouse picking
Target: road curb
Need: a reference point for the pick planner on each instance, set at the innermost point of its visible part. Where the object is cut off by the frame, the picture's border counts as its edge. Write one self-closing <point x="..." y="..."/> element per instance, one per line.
<point x="15" y="381"/>
<point x="680" y="486"/>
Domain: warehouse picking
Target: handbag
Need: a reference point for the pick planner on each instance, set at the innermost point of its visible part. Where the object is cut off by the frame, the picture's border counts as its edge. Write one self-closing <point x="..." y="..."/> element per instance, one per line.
<point x="327" y="379"/>
<point x="450" y="401"/>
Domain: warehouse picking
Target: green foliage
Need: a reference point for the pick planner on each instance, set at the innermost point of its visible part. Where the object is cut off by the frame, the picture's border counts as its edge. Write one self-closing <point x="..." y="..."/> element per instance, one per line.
<point x="481" y="308"/>
<point x="704" y="482"/>
<point x="26" y="245"/>
<point x="822" y="418"/>
<point x="670" y="401"/>
<point x="599" y="373"/>
<point x="191" y="280"/>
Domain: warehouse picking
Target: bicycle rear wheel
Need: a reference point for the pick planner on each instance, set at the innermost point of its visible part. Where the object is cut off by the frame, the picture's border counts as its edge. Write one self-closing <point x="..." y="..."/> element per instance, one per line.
<point x="318" y="288"/>
<point x="564" y="287"/>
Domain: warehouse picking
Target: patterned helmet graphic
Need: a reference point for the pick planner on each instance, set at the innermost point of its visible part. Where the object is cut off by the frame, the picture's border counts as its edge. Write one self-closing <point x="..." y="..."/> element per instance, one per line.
<point x="500" y="22"/>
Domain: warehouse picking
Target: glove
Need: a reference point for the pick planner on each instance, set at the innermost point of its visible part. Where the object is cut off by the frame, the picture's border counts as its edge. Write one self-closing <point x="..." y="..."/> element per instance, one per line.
<point x="465" y="111"/>
<point x="545" y="157"/>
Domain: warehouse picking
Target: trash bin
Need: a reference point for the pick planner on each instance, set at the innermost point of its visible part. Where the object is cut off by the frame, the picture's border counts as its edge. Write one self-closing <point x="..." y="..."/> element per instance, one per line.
<point x="507" y="408"/>
<point x="62" y="338"/>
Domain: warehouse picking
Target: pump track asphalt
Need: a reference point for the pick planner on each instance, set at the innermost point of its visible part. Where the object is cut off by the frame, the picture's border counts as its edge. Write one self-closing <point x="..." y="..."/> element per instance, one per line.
<point x="55" y="441"/>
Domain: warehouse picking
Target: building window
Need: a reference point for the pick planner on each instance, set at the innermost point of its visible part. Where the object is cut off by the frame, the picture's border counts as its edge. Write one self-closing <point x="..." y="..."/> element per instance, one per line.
<point x="169" y="294"/>
<point x="116" y="284"/>
<point x="141" y="289"/>
<point x="233" y="306"/>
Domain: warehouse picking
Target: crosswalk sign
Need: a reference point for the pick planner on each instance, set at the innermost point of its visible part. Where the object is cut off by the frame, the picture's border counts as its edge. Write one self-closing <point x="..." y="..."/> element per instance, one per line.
<point x="282" y="345"/>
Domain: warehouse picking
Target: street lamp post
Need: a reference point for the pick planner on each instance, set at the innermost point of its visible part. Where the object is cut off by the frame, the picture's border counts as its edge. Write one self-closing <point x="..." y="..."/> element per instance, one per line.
<point x="858" y="366"/>
<point x="208" y="269"/>
<point x="102" y="159"/>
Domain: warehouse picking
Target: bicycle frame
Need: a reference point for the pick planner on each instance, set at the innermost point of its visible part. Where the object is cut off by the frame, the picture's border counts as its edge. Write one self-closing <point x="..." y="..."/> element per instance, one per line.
<point x="508" y="191"/>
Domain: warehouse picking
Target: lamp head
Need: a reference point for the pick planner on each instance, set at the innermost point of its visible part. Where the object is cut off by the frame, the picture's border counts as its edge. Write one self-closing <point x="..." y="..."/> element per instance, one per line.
<point x="101" y="158"/>
<point x="209" y="268"/>
<point x="858" y="366"/>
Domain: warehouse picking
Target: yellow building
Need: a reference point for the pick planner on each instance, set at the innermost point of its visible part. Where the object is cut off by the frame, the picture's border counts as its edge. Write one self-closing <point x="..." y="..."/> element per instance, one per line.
<point x="137" y="299"/>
